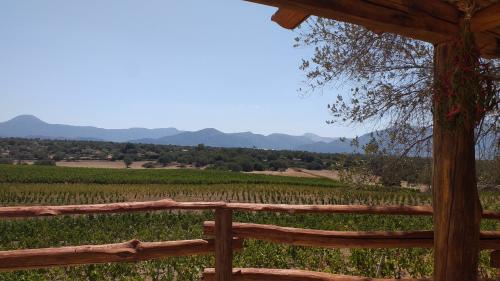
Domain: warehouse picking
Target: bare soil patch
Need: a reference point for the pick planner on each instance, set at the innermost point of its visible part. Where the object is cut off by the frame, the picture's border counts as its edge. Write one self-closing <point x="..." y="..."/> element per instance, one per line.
<point x="304" y="173"/>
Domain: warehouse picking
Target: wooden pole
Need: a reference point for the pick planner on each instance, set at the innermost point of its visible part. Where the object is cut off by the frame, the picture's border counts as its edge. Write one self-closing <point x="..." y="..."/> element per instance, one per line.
<point x="457" y="209"/>
<point x="223" y="244"/>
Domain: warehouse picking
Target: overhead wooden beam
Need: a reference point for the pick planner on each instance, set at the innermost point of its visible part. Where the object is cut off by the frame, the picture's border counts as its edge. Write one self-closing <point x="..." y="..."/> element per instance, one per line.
<point x="416" y="19"/>
<point x="288" y="18"/>
<point x="488" y="44"/>
<point x="487" y="18"/>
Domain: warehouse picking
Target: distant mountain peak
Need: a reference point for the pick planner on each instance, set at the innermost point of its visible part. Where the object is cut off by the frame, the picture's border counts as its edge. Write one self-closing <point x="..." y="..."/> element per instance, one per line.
<point x="26" y="118"/>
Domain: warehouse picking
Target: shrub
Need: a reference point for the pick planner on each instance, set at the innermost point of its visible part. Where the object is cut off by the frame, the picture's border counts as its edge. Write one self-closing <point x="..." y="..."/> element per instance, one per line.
<point x="6" y="161"/>
<point x="45" y="162"/>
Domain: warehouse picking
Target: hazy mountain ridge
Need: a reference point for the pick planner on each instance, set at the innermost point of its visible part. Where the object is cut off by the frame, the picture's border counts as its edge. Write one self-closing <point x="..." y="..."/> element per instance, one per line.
<point x="28" y="126"/>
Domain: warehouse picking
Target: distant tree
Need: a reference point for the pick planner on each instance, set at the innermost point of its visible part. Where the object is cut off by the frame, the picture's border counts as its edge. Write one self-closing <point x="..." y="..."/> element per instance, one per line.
<point x="278" y="165"/>
<point x="45" y="162"/>
<point x="165" y="159"/>
<point x="247" y="166"/>
<point x="129" y="148"/>
<point x="235" y="167"/>
<point x="58" y="156"/>
<point x="6" y="161"/>
<point x="128" y="160"/>
<point x="258" y="166"/>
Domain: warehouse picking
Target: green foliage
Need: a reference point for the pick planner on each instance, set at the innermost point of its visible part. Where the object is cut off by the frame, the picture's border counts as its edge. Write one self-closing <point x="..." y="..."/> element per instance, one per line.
<point x="128" y="160"/>
<point x="37" y="174"/>
<point x="56" y="186"/>
<point x="44" y="162"/>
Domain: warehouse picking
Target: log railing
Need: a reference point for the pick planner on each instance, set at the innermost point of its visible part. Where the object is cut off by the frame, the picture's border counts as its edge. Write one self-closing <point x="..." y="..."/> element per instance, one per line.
<point x="228" y="236"/>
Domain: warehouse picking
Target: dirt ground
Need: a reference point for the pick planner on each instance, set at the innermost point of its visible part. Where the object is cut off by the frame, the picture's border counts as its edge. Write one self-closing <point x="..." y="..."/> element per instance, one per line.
<point x="296" y="172"/>
<point x="291" y="172"/>
<point x="109" y="164"/>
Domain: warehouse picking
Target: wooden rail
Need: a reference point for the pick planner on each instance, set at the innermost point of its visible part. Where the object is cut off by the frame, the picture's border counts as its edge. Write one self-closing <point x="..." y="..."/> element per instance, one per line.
<point x="343" y="239"/>
<point x="168" y="204"/>
<point x="223" y="245"/>
<point x="134" y="250"/>
<point x="264" y="274"/>
<point x="124" y="207"/>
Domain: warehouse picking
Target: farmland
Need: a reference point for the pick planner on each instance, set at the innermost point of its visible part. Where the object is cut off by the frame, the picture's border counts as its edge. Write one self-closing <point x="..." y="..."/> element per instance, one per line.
<point x="38" y="185"/>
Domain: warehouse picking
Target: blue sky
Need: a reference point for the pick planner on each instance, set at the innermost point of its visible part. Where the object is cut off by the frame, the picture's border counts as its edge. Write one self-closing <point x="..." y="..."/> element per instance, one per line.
<point x="188" y="64"/>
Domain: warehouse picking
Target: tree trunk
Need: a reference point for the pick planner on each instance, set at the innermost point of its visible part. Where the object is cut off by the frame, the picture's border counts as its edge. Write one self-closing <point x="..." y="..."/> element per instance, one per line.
<point x="457" y="209"/>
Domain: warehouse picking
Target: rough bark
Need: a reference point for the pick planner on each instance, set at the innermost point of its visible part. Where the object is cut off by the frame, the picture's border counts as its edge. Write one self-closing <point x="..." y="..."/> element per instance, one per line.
<point x="457" y="209"/>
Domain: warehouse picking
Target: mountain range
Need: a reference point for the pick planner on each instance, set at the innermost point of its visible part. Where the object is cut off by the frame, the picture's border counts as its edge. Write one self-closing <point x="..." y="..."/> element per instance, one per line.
<point x="29" y="126"/>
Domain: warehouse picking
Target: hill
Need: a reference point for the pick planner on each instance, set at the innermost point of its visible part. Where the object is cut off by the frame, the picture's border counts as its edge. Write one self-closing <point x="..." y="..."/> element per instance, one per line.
<point x="29" y="126"/>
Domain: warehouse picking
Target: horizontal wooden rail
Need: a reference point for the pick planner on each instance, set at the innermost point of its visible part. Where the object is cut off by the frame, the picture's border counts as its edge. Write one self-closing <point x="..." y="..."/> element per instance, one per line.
<point x="92" y="254"/>
<point x="168" y="204"/>
<point x="343" y="209"/>
<point x="263" y="274"/>
<point x="123" y="207"/>
<point x="343" y="239"/>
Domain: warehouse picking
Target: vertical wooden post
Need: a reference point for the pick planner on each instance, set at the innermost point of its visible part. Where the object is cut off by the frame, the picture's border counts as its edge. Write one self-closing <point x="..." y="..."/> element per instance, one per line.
<point x="457" y="209"/>
<point x="223" y="244"/>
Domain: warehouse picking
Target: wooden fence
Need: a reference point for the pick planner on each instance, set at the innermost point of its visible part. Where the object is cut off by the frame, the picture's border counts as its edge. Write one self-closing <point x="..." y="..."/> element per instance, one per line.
<point x="228" y="236"/>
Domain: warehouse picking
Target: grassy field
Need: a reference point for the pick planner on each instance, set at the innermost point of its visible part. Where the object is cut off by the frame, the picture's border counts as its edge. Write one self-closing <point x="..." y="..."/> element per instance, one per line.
<point x="30" y="185"/>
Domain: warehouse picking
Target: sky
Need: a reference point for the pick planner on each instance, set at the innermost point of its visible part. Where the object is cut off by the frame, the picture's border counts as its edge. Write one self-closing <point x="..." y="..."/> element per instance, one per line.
<point x="188" y="64"/>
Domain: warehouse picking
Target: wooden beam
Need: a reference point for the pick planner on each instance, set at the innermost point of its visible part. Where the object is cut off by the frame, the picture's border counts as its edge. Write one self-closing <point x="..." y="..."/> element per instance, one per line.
<point x="342" y="239"/>
<point x="428" y="20"/>
<point x="411" y="18"/>
<point x="288" y="18"/>
<point x="264" y="274"/>
<point x="341" y="209"/>
<point x="488" y="44"/>
<point x="223" y="247"/>
<point x="124" y="207"/>
<point x="167" y="204"/>
<point x="487" y="18"/>
<point x="93" y="254"/>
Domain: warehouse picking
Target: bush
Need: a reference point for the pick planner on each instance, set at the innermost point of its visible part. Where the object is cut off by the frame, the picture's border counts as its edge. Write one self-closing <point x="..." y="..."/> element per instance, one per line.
<point x="258" y="167"/>
<point x="247" y="167"/>
<point x="6" y="161"/>
<point x="235" y="167"/>
<point x="45" y="162"/>
<point x="148" y="165"/>
<point x="128" y="160"/>
<point x="278" y="165"/>
<point x="315" y="165"/>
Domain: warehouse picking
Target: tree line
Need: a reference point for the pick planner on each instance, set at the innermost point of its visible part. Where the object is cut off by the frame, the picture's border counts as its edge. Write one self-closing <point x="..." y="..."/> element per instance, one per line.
<point x="389" y="170"/>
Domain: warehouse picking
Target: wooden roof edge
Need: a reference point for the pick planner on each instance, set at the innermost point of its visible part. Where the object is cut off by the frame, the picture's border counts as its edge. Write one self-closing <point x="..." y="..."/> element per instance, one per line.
<point x="289" y="18"/>
<point x="412" y="21"/>
<point x="426" y="20"/>
<point x="487" y="18"/>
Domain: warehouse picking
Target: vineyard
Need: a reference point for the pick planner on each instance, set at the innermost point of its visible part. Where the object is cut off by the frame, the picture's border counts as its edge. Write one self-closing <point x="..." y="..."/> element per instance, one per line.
<point x="28" y="185"/>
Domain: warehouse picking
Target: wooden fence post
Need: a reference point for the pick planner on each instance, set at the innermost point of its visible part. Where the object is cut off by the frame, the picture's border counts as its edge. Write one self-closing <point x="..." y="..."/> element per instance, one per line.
<point x="223" y="244"/>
